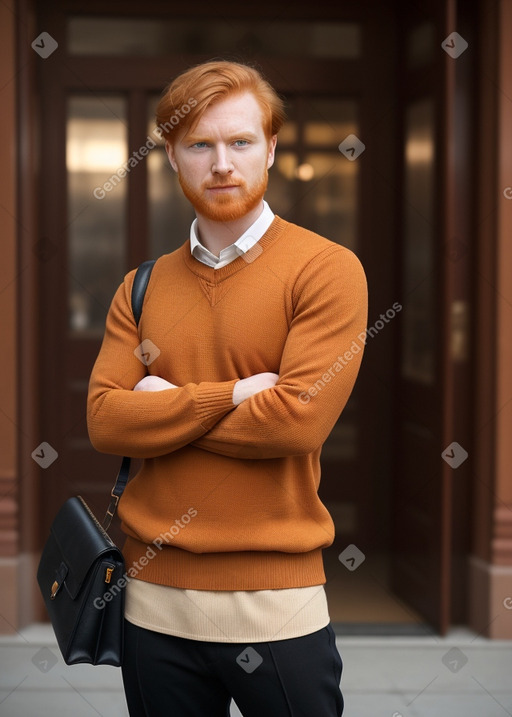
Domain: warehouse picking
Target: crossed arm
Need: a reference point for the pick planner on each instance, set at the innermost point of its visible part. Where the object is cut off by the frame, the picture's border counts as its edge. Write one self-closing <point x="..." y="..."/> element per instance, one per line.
<point x="243" y="389"/>
<point x="264" y="415"/>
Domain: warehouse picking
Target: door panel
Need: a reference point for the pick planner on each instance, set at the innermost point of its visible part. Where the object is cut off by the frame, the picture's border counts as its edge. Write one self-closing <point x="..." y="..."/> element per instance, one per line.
<point x="418" y="498"/>
<point x="425" y="519"/>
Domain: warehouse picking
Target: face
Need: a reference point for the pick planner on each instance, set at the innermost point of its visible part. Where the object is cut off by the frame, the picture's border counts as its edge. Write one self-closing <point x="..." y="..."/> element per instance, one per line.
<point x="223" y="163"/>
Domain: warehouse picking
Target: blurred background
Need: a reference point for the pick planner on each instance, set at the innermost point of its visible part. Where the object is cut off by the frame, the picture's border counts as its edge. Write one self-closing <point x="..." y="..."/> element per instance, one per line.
<point x="417" y="472"/>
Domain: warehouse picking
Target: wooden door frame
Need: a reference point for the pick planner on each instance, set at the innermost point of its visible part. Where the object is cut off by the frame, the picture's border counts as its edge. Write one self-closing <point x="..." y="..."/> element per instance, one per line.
<point x="460" y="171"/>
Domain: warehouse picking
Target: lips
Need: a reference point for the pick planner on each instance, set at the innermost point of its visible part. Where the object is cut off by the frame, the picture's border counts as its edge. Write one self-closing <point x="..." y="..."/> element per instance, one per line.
<point x="223" y="186"/>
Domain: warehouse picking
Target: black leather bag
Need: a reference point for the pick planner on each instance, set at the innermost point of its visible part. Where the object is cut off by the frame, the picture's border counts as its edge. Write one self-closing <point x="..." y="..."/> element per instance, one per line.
<point x="81" y="578"/>
<point x="81" y="573"/>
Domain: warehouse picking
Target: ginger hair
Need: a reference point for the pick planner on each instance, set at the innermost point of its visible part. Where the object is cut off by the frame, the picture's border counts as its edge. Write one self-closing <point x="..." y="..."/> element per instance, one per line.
<point x="189" y="95"/>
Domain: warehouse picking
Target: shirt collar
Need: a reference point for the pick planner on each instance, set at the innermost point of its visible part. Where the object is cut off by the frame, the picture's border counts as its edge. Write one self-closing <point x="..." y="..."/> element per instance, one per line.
<point x="241" y="246"/>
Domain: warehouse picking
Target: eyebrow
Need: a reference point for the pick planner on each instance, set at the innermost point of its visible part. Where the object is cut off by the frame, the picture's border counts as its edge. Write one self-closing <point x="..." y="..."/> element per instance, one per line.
<point x="244" y="134"/>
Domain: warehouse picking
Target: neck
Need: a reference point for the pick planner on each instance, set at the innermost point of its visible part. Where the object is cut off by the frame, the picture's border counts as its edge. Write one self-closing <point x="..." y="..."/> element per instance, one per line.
<point x="216" y="236"/>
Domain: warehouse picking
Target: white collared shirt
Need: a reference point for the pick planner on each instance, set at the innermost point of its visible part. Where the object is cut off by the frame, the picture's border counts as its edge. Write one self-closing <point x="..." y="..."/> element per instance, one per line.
<point x="242" y="245"/>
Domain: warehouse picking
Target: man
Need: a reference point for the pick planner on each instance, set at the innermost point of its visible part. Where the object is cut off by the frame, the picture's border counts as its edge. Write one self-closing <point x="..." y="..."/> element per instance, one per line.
<point x="244" y="325"/>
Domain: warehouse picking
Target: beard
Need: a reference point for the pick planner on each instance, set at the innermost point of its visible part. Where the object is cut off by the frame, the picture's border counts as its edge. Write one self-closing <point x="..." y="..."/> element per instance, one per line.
<point x="225" y="207"/>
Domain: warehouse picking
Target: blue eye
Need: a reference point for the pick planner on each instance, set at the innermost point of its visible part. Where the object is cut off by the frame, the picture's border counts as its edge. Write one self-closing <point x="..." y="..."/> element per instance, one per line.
<point x="199" y="145"/>
<point x="241" y="142"/>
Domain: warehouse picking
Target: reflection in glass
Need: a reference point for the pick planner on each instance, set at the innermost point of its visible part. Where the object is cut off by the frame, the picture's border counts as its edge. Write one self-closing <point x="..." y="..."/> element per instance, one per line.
<point x="320" y="193"/>
<point x="96" y="149"/>
<point x="418" y="279"/>
<point x="330" y="204"/>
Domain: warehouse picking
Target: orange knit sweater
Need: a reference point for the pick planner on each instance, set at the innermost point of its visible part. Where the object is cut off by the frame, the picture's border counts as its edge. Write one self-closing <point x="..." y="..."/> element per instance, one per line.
<point x="226" y="498"/>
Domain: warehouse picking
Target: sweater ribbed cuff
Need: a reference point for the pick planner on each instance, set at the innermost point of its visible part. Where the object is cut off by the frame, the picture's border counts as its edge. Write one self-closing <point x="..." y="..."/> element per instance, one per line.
<point x="213" y="399"/>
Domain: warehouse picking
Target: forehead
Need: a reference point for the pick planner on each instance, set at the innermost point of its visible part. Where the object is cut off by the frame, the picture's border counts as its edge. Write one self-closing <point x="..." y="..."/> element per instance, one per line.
<point x="231" y="116"/>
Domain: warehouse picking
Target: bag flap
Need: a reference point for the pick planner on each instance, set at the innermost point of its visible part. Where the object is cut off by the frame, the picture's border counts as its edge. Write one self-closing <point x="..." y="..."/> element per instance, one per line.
<point x="81" y="540"/>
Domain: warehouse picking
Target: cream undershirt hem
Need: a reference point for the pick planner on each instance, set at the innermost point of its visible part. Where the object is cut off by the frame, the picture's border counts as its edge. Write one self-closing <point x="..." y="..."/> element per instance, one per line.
<point x="226" y="616"/>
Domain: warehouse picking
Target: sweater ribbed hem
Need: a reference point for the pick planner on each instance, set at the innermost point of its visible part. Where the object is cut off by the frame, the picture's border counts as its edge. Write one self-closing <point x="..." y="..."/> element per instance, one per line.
<point x="249" y="570"/>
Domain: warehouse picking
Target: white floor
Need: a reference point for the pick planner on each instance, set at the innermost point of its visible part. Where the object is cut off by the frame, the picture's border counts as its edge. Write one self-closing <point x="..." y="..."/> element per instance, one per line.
<point x="462" y="675"/>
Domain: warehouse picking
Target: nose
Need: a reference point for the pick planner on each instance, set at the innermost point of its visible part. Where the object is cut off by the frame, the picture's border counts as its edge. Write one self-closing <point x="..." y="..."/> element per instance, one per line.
<point x="222" y="163"/>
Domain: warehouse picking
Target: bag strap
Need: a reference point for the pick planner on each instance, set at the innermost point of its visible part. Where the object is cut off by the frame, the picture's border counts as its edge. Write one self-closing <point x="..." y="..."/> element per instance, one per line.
<point x="140" y="284"/>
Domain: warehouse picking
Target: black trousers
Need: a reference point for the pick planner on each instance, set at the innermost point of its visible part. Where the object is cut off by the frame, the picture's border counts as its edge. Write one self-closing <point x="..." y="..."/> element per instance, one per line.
<point x="167" y="676"/>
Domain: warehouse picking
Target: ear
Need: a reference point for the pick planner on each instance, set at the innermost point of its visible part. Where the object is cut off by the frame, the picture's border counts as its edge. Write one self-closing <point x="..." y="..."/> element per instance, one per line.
<point x="271" y="151"/>
<point x="172" y="157"/>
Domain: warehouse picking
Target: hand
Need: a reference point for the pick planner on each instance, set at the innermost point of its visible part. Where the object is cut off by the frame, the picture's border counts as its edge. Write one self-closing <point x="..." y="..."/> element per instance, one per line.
<point x="153" y="383"/>
<point x="247" y="387"/>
